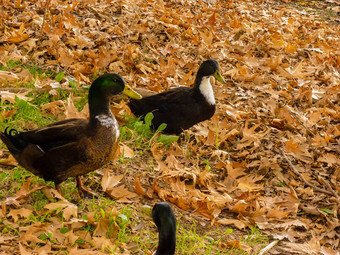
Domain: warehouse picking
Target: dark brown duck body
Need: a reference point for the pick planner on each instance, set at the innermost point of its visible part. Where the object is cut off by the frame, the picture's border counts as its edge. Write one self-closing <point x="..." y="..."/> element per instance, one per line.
<point x="72" y="147"/>
<point x="182" y="107"/>
<point x="64" y="149"/>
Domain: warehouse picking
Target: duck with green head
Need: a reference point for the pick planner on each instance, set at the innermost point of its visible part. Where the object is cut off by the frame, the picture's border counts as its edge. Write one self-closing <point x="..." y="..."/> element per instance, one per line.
<point x="181" y="108"/>
<point x="72" y="147"/>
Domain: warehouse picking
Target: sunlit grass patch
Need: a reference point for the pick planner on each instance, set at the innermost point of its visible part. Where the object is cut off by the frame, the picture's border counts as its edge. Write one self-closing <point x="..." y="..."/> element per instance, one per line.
<point x="255" y="238"/>
<point x="142" y="135"/>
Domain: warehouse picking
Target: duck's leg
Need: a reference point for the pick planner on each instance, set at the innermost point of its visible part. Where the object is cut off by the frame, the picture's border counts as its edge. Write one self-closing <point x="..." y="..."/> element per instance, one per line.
<point x="82" y="189"/>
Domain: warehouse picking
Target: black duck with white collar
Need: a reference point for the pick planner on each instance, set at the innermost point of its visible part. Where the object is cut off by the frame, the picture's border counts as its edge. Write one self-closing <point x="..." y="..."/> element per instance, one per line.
<point x="182" y="107"/>
<point x="72" y="147"/>
<point x="165" y="220"/>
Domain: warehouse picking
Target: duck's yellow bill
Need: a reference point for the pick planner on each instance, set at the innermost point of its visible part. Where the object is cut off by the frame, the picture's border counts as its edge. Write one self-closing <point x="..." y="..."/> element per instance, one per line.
<point x="219" y="77"/>
<point x="130" y="92"/>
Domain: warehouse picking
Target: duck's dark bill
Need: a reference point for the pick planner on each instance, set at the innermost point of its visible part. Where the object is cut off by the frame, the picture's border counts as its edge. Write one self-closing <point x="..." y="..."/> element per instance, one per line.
<point x="131" y="93"/>
<point x="218" y="77"/>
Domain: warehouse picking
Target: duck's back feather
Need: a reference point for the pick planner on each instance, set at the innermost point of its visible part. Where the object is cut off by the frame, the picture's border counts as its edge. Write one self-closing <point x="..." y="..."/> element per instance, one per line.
<point x="56" y="134"/>
<point x="179" y="108"/>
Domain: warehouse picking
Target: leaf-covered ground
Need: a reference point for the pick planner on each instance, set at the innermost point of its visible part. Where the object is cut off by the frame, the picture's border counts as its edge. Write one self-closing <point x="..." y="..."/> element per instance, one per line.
<point x="268" y="158"/>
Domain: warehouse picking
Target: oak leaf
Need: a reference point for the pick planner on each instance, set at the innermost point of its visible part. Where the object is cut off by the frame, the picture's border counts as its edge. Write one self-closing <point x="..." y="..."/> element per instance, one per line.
<point x="67" y="208"/>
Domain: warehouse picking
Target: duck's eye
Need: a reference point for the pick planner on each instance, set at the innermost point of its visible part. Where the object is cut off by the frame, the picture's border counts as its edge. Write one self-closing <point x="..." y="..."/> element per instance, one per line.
<point x="115" y="80"/>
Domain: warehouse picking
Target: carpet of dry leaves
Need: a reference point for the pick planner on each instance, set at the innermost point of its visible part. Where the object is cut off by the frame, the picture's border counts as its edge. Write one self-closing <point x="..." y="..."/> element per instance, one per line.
<point x="269" y="156"/>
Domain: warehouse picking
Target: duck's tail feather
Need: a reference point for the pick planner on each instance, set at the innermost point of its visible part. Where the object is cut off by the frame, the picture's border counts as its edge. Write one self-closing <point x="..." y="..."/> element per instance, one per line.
<point x="14" y="141"/>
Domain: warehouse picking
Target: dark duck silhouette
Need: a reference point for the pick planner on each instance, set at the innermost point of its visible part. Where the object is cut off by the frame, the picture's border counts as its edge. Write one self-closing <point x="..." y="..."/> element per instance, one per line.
<point x="181" y="108"/>
<point x="72" y="147"/>
<point x="165" y="220"/>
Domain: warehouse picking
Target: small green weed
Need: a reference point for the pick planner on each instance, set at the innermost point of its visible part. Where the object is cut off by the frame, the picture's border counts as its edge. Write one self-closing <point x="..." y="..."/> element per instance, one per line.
<point x="10" y="64"/>
<point x="190" y="242"/>
<point x="255" y="238"/>
<point x="143" y="135"/>
<point x="26" y="113"/>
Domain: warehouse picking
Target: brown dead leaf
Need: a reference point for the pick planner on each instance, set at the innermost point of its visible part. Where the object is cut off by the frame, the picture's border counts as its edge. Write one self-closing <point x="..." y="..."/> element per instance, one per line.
<point x="110" y="181"/>
<point x="20" y="195"/>
<point x="10" y="161"/>
<point x="239" y="224"/>
<point x="10" y="96"/>
<point x="292" y="146"/>
<point x="119" y="193"/>
<point x="16" y="36"/>
<point x="140" y="190"/>
<point x="23" y="250"/>
<point x="277" y="213"/>
<point x="330" y="159"/>
<point x="72" y="112"/>
<point x="126" y="151"/>
<point x="16" y="213"/>
<point x="6" y="76"/>
<point x="103" y="226"/>
<point x="67" y="208"/>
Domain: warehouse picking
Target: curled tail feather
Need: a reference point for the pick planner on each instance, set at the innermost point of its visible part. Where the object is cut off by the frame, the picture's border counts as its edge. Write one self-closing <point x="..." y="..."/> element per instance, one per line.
<point x="13" y="141"/>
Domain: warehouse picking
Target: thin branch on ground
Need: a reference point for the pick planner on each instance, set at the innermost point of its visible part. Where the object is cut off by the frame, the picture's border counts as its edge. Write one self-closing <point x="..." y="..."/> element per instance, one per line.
<point x="329" y="187"/>
<point x="268" y="247"/>
<point x="310" y="132"/>
<point x="301" y="176"/>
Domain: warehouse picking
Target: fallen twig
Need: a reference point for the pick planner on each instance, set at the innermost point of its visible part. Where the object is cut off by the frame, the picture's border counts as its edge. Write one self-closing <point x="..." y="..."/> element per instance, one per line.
<point x="310" y="132"/>
<point x="301" y="176"/>
<point x="329" y="187"/>
<point x="268" y="247"/>
<point x="16" y="90"/>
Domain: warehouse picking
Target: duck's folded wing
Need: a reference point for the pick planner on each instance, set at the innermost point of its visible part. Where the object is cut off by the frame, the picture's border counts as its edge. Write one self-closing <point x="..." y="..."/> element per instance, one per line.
<point x="56" y="134"/>
<point x="164" y="102"/>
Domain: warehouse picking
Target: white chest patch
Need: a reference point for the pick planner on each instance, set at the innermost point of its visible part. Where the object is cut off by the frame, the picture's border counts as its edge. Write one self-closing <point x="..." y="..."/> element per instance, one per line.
<point x="207" y="90"/>
<point x="107" y="121"/>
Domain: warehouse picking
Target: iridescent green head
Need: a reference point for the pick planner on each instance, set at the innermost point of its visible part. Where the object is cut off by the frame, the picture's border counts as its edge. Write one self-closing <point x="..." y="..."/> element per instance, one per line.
<point x="111" y="84"/>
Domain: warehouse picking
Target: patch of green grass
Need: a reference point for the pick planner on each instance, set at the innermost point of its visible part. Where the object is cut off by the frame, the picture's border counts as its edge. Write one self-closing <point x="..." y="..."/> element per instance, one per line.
<point x="255" y="238"/>
<point x="142" y="134"/>
<point x="12" y="180"/>
<point x="9" y="229"/>
<point x="190" y="242"/>
<point x="39" y="200"/>
<point x="10" y="64"/>
<point x="101" y="204"/>
<point x="31" y="67"/>
<point x="15" y="178"/>
<point x="81" y="102"/>
<point x="26" y="113"/>
<point x="45" y="217"/>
